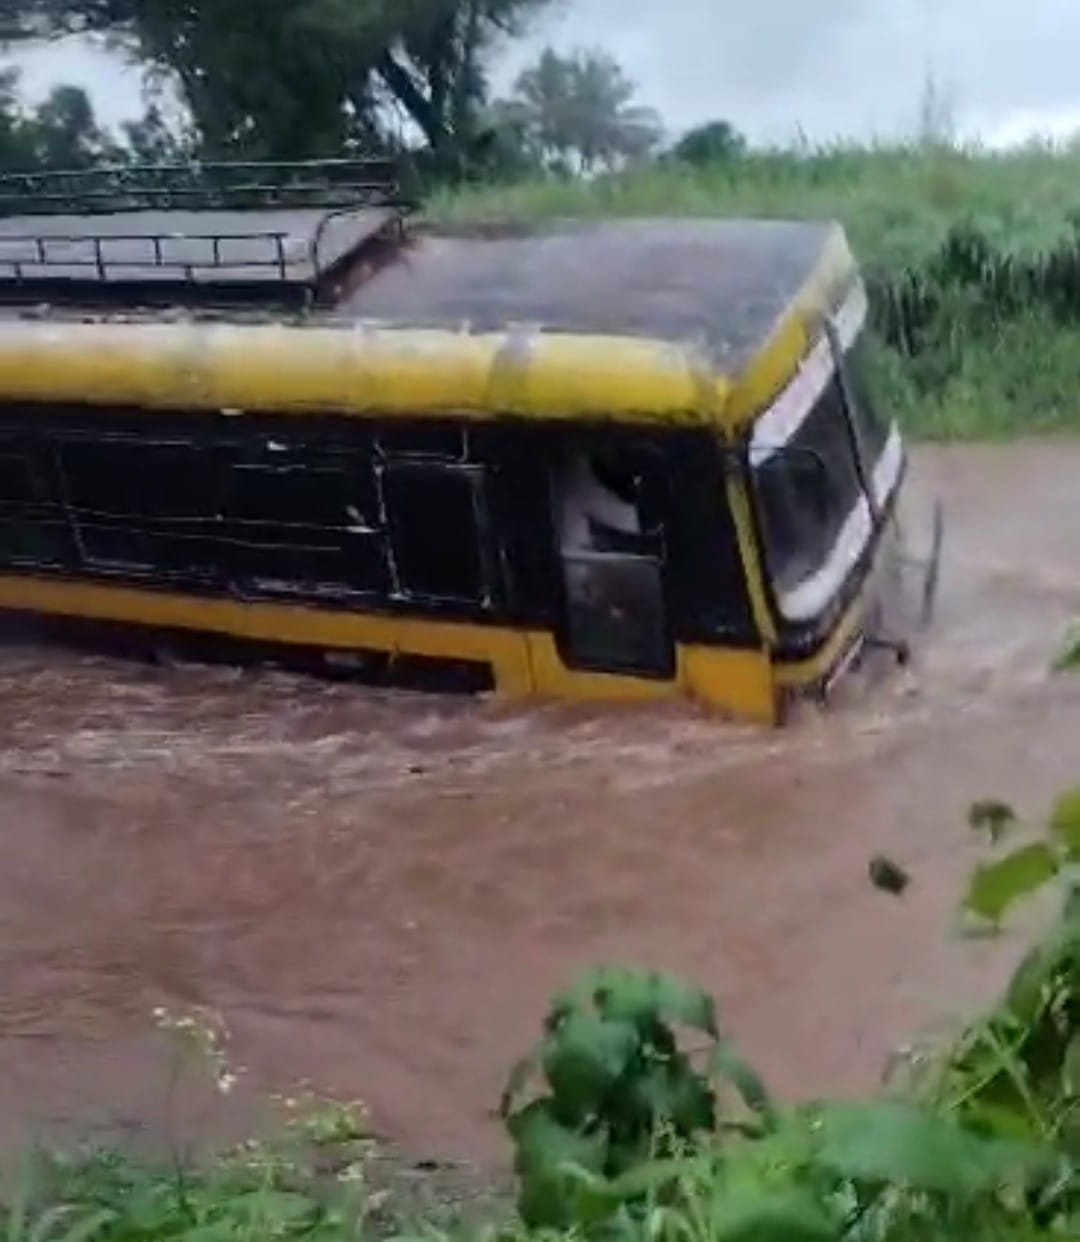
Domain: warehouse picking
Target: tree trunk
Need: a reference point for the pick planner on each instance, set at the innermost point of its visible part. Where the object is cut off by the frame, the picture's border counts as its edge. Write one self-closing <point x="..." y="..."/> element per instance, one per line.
<point x="402" y="85"/>
<point x="466" y="84"/>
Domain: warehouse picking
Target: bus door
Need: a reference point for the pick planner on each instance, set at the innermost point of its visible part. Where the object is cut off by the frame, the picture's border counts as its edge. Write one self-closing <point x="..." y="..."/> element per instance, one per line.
<point x="608" y="515"/>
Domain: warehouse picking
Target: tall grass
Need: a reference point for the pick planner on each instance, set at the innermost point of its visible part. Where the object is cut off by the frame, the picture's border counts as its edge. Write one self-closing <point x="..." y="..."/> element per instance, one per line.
<point x="972" y="257"/>
<point x="898" y="203"/>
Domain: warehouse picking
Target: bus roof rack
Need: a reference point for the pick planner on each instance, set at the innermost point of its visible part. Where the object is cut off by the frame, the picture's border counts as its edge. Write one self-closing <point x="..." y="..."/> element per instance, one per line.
<point x="198" y="186"/>
<point x="192" y="232"/>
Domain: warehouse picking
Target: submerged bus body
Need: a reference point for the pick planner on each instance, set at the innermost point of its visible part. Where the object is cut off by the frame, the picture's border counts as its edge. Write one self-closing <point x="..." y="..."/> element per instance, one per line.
<point x="625" y="460"/>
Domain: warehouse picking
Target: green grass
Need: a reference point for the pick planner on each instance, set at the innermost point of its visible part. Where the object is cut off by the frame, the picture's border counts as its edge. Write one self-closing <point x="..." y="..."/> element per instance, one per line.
<point x="973" y="259"/>
<point x="898" y="203"/>
<point x="1022" y="379"/>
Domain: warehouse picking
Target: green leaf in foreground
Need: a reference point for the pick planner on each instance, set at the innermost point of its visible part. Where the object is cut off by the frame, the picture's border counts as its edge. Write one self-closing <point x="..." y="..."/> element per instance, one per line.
<point x="626" y="994"/>
<point x="543" y="1143"/>
<point x="583" y="1058"/>
<point x="1065" y="823"/>
<point x="771" y="1216"/>
<point x="997" y="886"/>
<point x="725" y="1063"/>
<point x="66" y="1223"/>
<point x="547" y="1153"/>
<point x="896" y="1143"/>
<point x="1070" y="1072"/>
<point x="1068" y="659"/>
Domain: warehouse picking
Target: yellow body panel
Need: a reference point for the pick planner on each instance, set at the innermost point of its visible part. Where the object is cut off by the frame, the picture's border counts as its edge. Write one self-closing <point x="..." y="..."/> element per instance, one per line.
<point x="525" y="664"/>
<point x="362" y="369"/>
<point x="778" y="359"/>
<point x="796" y="674"/>
<point x="355" y="370"/>
<point x="741" y="516"/>
<point x="736" y="681"/>
<point x="506" y="650"/>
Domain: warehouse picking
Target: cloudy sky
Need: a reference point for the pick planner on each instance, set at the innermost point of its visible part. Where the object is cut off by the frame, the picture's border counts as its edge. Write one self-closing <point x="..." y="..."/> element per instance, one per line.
<point x="844" y="68"/>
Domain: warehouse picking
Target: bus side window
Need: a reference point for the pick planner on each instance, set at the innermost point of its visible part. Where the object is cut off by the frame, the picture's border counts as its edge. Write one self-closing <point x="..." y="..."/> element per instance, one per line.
<point x="612" y="563"/>
<point x="33" y="529"/>
<point x="139" y="504"/>
<point x="303" y="518"/>
<point x="438" y="524"/>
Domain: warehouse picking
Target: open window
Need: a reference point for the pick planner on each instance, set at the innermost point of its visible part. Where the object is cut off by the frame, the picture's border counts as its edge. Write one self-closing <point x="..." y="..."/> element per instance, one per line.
<point x="139" y="504"/>
<point x="608" y="515"/>
<point x="33" y="530"/>
<point x="303" y="519"/>
<point x="439" y="531"/>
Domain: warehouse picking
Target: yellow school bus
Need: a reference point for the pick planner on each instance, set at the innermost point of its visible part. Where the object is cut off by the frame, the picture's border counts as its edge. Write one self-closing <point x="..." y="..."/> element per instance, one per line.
<point x="629" y="459"/>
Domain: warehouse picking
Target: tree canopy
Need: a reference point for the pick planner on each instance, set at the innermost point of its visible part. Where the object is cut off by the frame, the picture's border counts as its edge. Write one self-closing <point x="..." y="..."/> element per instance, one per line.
<point x="297" y="78"/>
<point x="62" y="133"/>
<point x="578" y="113"/>
<point x="712" y="143"/>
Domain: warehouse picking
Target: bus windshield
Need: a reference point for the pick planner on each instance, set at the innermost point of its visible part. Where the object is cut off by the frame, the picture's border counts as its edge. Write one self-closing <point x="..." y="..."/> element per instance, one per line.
<point x="815" y="518"/>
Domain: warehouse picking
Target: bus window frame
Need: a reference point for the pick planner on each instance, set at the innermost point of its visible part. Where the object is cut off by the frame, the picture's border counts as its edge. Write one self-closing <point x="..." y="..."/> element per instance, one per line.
<point x="524" y="567"/>
<point x="476" y="473"/>
<point x="149" y="527"/>
<point x="839" y="374"/>
<point x="864" y="468"/>
<point x="566" y="559"/>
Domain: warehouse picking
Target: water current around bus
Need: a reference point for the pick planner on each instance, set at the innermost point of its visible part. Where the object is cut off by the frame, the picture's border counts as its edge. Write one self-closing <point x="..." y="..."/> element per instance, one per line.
<point x="379" y="892"/>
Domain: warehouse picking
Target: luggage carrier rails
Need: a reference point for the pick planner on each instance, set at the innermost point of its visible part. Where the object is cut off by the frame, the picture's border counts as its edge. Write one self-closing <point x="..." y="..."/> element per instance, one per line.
<point x="261" y="232"/>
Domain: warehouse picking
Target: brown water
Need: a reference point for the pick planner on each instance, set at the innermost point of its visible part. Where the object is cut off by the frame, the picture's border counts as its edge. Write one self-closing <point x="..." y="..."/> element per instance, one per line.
<point x="379" y="892"/>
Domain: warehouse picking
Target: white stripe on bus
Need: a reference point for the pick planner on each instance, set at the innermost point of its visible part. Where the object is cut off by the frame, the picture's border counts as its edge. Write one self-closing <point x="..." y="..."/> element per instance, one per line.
<point x="782" y="420"/>
<point x="812" y="595"/>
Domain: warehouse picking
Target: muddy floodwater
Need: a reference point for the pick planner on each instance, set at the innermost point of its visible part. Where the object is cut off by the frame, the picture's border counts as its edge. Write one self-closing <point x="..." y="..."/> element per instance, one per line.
<point x="380" y="892"/>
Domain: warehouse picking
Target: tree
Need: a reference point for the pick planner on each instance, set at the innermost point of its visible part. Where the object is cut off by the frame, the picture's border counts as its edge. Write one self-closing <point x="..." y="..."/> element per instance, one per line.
<point x="65" y="135"/>
<point x="16" y="142"/>
<point x="61" y="134"/>
<point x="715" y="142"/>
<point x="151" y="140"/>
<point x="295" y="78"/>
<point x="577" y="113"/>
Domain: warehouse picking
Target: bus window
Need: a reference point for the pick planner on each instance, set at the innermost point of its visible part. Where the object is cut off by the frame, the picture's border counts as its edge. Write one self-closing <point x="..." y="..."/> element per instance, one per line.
<point x="612" y="563"/>
<point x="33" y="530"/>
<point x="438" y="529"/>
<point x="808" y="492"/>
<point x="301" y="519"/>
<point x="139" y="504"/>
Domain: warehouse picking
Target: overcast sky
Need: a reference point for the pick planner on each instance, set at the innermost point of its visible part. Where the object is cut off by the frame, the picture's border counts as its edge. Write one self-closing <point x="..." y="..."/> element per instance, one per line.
<point x="842" y="68"/>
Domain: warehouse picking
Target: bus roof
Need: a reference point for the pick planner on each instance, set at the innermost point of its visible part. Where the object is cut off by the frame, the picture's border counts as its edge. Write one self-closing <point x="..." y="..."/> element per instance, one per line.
<point x="721" y="286"/>
<point x="691" y="321"/>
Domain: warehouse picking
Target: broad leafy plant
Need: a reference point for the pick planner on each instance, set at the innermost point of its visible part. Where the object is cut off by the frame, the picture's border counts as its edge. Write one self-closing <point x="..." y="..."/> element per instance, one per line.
<point x="619" y="1124"/>
<point x="1016" y="1073"/>
<point x="997" y="886"/>
<point x="630" y="1130"/>
<point x="620" y="1087"/>
<point x="1068" y="658"/>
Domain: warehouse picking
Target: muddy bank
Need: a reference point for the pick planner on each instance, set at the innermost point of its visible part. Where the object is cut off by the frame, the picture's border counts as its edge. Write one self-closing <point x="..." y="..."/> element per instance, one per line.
<point x="380" y="892"/>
